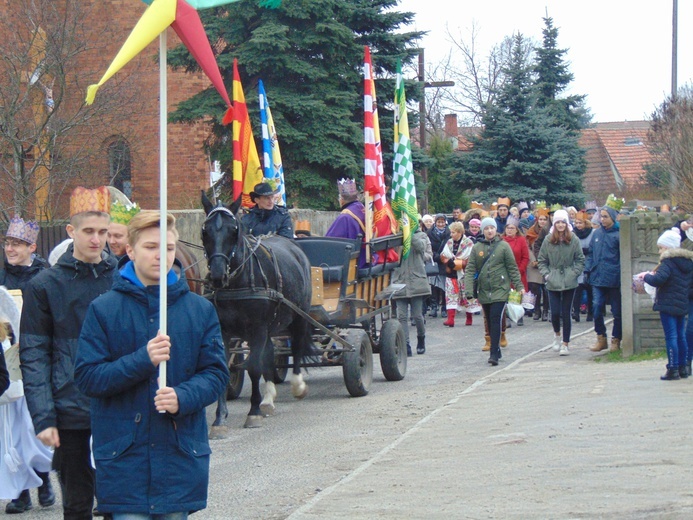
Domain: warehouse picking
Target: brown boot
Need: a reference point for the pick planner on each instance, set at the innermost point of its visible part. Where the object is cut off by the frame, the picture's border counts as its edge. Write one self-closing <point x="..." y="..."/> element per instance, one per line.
<point x="487" y="345"/>
<point x="503" y="340"/>
<point x="600" y="344"/>
<point x="615" y="345"/>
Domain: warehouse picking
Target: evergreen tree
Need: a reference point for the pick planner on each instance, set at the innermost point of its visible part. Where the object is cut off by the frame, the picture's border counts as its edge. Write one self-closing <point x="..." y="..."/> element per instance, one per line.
<point x="521" y="152"/>
<point x="309" y="55"/>
<point x="552" y="78"/>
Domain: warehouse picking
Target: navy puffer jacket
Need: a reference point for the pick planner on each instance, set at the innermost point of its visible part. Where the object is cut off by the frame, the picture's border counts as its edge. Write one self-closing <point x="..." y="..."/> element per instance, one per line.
<point x="150" y="462"/>
<point x="673" y="280"/>
<point x="604" y="257"/>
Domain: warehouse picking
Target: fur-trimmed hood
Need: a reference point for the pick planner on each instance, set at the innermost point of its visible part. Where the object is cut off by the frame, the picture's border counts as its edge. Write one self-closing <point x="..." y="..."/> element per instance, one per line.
<point x="677" y="252"/>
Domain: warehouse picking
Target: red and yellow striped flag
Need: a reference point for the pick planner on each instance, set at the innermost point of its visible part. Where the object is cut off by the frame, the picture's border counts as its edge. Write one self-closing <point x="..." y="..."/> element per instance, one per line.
<point x="247" y="170"/>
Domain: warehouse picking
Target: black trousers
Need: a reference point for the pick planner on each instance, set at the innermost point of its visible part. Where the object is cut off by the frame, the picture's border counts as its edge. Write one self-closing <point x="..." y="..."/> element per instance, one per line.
<point x="577" y="301"/>
<point x="541" y="297"/>
<point x="72" y="461"/>
<point x="494" y="313"/>
<point x="561" y="303"/>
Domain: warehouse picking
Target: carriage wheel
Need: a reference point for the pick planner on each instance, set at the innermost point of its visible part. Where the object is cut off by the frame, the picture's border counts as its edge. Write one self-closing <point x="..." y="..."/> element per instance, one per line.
<point x="281" y="372"/>
<point x="358" y="365"/>
<point x="393" y="351"/>
<point x="236" y="373"/>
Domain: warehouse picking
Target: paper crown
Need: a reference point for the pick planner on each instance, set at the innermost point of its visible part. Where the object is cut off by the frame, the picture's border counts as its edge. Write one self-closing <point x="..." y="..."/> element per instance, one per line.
<point x="581" y="215"/>
<point x="615" y="202"/>
<point x="503" y="201"/>
<point x="83" y="199"/>
<point x="347" y="187"/>
<point x="273" y="182"/>
<point x="494" y="205"/>
<point x="591" y="205"/>
<point x="521" y="206"/>
<point x="539" y="204"/>
<point x="555" y="207"/>
<point x="23" y="230"/>
<point x="123" y="213"/>
<point x="477" y="205"/>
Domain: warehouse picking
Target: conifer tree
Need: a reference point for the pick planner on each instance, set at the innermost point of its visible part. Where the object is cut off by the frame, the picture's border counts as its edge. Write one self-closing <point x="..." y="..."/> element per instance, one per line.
<point x="309" y="55"/>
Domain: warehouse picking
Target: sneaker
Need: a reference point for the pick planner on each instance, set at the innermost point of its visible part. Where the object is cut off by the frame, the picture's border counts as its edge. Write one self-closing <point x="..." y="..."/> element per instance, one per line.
<point x="563" y="350"/>
<point x="556" y="343"/>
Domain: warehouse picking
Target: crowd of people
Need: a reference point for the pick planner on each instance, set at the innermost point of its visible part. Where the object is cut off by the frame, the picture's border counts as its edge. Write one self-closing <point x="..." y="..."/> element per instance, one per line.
<point x="90" y="404"/>
<point x="566" y="264"/>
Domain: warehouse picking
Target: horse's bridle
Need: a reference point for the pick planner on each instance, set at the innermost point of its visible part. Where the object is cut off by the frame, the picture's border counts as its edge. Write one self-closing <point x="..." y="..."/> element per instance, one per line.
<point x="221" y="209"/>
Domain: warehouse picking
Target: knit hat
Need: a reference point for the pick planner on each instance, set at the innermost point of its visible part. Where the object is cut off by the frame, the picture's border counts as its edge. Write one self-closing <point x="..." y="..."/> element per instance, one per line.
<point x="488" y="221"/>
<point x="475" y="222"/>
<point x="670" y="239"/>
<point x="440" y="216"/>
<point x="561" y="215"/>
<point x="612" y="212"/>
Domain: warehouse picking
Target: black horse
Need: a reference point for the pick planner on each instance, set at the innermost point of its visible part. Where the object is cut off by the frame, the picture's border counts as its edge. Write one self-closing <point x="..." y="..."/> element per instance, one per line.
<point x="255" y="283"/>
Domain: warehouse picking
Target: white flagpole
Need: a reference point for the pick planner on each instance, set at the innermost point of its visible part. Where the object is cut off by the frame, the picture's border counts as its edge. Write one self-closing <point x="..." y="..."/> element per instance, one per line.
<point x="163" y="196"/>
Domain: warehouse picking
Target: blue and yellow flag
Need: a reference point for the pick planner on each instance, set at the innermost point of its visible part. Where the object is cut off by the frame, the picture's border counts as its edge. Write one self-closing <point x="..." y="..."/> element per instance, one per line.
<point x="271" y="156"/>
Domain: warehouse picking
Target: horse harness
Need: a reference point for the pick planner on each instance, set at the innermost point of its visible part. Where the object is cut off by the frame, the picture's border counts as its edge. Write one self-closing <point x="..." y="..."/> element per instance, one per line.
<point x="254" y="247"/>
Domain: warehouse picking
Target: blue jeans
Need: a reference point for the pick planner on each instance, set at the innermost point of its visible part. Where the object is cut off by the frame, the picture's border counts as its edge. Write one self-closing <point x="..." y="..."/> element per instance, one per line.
<point x="144" y="516"/>
<point x="599" y="295"/>
<point x="675" y="337"/>
<point x="689" y="332"/>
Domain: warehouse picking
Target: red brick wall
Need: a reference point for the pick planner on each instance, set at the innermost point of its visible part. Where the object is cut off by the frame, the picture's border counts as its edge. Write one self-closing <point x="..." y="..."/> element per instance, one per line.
<point x="107" y="25"/>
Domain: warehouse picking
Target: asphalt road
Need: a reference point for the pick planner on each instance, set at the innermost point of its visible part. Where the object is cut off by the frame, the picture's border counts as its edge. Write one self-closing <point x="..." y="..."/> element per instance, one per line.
<point x="311" y="445"/>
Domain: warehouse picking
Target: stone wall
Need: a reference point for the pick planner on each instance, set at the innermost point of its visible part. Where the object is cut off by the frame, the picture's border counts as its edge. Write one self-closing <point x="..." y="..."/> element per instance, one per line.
<point x="641" y="326"/>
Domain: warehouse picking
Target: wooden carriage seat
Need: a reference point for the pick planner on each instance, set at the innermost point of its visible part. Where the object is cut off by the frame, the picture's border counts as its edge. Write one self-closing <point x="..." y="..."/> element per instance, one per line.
<point x="383" y="245"/>
<point x="331" y="254"/>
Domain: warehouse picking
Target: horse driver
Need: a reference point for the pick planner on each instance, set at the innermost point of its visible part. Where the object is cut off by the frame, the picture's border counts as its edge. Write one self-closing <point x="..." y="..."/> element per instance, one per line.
<point x="350" y="222"/>
<point x="265" y="217"/>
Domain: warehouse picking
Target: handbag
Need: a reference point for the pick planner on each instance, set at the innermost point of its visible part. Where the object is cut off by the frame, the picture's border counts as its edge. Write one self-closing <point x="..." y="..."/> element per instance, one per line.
<point x="432" y="269"/>
<point x="483" y="264"/>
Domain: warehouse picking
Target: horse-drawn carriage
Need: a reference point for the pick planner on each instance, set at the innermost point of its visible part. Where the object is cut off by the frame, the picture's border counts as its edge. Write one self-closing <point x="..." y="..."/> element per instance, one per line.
<point x="325" y="314"/>
<point x="350" y="315"/>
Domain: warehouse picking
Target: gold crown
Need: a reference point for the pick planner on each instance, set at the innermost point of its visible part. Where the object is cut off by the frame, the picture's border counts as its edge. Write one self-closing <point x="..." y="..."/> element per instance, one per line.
<point x="83" y="200"/>
<point x="477" y="205"/>
<point x="123" y="213"/>
<point x="555" y="207"/>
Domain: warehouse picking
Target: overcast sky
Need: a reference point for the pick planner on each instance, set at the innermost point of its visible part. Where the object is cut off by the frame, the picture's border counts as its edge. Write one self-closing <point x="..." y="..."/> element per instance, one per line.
<point x="619" y="51"/>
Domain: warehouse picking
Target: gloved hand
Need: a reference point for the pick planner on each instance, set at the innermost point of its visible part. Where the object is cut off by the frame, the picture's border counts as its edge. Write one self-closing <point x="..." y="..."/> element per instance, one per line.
<point x="451" y="263"/>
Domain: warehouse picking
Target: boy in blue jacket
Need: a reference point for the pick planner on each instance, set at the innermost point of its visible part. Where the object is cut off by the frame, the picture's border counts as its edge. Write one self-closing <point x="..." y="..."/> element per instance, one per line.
<point x="150" y="444"/>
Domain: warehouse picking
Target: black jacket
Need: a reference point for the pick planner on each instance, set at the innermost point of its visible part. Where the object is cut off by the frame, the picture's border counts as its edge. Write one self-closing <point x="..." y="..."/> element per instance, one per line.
<point x="55" y="304"/>
<point x="17" y="276"/>
<point x="673" y="280"/>
<point x="4" y="375"/>
<point x="263" y="222"/>
<point x="438" y="242"/>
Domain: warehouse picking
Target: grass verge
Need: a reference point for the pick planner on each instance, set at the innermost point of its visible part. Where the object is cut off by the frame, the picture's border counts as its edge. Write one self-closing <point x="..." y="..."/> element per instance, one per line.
<point x="645" y="355"/>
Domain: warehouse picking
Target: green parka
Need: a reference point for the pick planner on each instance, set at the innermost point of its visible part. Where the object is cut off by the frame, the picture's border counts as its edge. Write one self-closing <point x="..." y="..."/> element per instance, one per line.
<point x="561" y="264"/>
<point x="499" y="271"/>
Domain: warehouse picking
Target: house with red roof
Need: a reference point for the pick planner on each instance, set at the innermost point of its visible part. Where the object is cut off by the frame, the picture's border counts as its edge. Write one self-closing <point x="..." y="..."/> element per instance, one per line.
<point x="615" y="153"/>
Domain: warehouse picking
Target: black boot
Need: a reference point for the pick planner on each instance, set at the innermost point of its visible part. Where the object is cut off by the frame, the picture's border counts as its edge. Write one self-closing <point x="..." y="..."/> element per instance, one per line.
<point x="537" y="314"/>
<point x="420" y="344"/>
<point x="545" y="316"/>
<point x="434" y="310"/>
<point x="671" y="375"/>
<point x="19" y="504"/>
<point x="576" y="316"/>
<point x="688" y="368"/>
<point x="409" y="353"/>
<point x="683" y="372"/>
<point x="46" y="495"/>
<point x="590" y="317"/>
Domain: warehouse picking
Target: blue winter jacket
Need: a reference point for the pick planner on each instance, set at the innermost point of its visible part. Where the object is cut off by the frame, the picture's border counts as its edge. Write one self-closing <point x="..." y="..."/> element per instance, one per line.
<point x="673" y="280"/>
<point x="150" y="462"/>
<point x="603" y="261"/>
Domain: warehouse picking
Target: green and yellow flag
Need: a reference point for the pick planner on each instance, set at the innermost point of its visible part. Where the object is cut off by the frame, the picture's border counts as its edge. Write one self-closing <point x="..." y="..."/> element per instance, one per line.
<point x="403" y="185"/>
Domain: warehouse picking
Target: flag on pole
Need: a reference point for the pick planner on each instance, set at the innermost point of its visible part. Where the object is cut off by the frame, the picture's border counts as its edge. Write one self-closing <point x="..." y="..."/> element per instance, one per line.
<point x="403" y="187"/>
<point x="247" y="171"/>
<point x="271" y="156"/>
<point x="384" y="222"/>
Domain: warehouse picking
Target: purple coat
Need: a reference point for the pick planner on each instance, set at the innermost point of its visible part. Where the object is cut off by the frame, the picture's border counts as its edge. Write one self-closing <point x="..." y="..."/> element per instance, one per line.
<point x="346" y="226"/>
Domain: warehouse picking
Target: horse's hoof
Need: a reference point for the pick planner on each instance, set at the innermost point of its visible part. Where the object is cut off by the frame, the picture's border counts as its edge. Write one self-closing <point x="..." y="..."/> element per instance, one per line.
<point x="218" y="432"/>
<point x="253" y="421"/>
<point x="302" y="394"/>
<point x="268" y="409"/>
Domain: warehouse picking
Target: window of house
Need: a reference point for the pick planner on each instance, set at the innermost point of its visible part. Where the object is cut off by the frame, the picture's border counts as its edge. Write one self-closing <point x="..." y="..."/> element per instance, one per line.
<point x="119" y="165"/>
